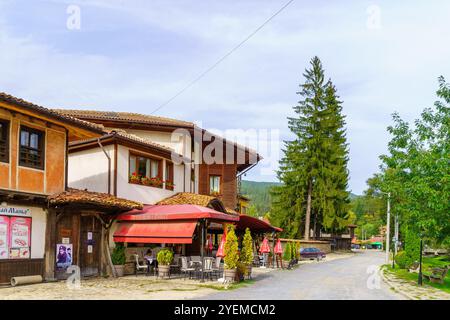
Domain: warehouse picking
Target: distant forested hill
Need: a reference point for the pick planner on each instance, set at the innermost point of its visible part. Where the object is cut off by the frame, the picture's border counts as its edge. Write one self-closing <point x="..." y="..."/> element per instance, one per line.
<point x="259" y="194"/>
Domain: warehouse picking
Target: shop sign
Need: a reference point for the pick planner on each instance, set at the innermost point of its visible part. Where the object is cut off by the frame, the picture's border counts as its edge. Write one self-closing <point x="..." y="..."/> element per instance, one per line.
<point x="15" y="211"/>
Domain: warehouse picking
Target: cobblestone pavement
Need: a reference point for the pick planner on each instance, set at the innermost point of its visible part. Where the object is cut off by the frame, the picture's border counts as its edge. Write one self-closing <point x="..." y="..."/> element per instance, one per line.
<point x="413" y="291"/>
<point x="340" y="276"/>
<point x="129" y="287"/>
<point x="348" y="278"/>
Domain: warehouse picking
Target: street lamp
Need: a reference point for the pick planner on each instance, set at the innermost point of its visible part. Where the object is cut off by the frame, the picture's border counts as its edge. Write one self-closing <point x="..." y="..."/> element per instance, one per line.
<point x="419" y="281"/>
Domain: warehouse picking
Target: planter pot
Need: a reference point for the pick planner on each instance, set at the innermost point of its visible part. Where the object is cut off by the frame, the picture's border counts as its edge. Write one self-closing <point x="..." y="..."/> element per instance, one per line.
<point x="163" y="271"/>
<point x="249" y="272"/>
<point x="119" y="269"/>
<point x="230" y="275"/>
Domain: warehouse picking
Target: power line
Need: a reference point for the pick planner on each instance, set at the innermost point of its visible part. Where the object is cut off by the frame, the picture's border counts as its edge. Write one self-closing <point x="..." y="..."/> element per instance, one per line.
<point x="190" y="84"/>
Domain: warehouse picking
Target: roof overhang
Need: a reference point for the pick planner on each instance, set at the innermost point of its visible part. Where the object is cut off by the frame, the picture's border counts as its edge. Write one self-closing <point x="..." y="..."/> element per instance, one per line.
<point x="176" y="212"/>
<point x="76" y="127"/>
<point x="113" y="138"/>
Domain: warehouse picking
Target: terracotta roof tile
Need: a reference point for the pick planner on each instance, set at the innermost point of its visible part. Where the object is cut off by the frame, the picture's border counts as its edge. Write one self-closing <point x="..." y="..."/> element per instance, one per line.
<point x="197" y="199"/>
<point x="84" y="197"/>
<point x="188" y="198"/>
<point x="51" y="113"/>
<point x="124" y="116"/>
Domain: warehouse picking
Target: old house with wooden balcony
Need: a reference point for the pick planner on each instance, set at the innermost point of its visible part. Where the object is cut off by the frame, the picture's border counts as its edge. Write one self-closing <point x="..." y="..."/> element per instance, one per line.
<point x="39" y="214"/>
<point x="197" y="175"/>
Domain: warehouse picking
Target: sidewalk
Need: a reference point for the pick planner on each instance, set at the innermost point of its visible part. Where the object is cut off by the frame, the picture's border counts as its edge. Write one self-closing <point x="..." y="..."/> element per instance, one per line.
<point x="411" y="290"/>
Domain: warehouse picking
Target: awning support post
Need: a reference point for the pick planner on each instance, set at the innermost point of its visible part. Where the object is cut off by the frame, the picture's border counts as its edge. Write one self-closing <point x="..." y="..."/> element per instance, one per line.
<point x="202" y="249"/>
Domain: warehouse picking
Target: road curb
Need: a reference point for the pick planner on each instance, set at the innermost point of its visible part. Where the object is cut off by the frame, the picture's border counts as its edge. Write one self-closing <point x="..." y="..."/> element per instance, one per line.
<point x="395" y="287"/>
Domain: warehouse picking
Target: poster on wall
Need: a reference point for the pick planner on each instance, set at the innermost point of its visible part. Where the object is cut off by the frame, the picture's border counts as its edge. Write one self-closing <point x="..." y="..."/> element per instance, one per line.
<point x="63" y="255"/>
<point x="20" y="243"/>
<point x="4" y="237"/>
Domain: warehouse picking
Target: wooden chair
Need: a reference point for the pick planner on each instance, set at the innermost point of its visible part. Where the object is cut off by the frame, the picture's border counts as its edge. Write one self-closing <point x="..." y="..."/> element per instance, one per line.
<point x="139" y="266"/>
<point x="185" y="268"/>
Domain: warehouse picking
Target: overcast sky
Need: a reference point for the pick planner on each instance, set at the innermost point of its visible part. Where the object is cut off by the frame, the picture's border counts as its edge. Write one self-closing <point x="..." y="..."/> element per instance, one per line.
<point x="134" y="55"/>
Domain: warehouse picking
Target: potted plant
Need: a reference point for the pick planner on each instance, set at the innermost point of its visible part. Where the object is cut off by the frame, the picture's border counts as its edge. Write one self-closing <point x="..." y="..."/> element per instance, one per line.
<point x="164" y="257"/>
<point x="287" y="255"/>
<point x="156" y="182"/>
<point x="135" y="178"/>
<point x="169" y="185"/>
<point x="118" y="259"/>
<point x="146" y="181"/>
<point x="297" y="251"/>
<point x="246" y="256"/>
<point x="231" y="255"/>
<point x="294" y="259"/>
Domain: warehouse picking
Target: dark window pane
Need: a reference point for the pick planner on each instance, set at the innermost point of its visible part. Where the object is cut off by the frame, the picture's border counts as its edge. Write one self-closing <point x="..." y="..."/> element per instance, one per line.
<point x="24" y="135"/>
<point x="142" y="166"/>
<point x="31" y="152"/>
<point x="34" y="141"/>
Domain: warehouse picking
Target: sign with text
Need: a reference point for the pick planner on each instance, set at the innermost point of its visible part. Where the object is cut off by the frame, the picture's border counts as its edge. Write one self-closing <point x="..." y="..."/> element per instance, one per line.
<point x="4" y="237"/>
<point x="15" y="211"/>
<point x="20" y="237"/>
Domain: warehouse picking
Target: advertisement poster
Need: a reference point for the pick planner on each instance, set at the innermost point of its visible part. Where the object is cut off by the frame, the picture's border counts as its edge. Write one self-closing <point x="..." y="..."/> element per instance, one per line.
<point x="20" y="229"/>
<point x="63" y="255"/>
<point x="4" y="237"/>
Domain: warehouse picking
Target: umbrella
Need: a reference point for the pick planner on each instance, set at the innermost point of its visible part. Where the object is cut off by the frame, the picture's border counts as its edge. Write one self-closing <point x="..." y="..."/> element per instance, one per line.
<point x="264" y="246"/>
<point x="210" y="243"/>
<point x="278" y="249"/>
<point x="221" y="251"/>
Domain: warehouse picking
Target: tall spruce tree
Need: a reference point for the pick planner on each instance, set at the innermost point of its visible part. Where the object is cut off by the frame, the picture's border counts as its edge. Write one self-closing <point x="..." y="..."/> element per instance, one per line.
<point x="314" y="167"/>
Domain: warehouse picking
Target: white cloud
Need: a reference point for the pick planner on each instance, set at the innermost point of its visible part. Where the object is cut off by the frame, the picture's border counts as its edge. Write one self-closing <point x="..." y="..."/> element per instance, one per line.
<point x="134" y="55"/>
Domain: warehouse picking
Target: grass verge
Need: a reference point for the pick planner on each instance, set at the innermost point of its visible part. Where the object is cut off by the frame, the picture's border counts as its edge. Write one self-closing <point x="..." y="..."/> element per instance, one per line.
<point x="428" y="263"/>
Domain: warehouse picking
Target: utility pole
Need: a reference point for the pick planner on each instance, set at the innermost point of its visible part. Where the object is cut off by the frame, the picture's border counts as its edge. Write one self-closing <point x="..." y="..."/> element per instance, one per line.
<point x="396" y="234"/>
<point x="388" y="225"/>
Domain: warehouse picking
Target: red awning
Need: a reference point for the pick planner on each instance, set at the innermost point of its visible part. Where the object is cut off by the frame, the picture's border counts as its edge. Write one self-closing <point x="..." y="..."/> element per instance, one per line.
<point x="255" y="225"/>
<point x="176" y="212"/>
<point x="155" y="232"/>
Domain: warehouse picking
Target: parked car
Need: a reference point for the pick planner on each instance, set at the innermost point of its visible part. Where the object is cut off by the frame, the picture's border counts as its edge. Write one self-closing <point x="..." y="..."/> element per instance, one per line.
<point x="311" y="253"/>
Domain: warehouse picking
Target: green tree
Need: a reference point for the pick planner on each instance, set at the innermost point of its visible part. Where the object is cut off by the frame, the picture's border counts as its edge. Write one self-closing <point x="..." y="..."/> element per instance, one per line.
<point x="416" y="170"/>
<point x="313" y="170"/>
<point x="247" y="248"/>
<point x="231" y="249"/>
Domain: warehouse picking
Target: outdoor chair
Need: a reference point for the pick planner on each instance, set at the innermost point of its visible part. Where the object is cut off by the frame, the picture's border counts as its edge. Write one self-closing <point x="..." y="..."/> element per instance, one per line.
<point x="185" y="269"/>
<point x="139" y="266"/>
<point x="208" y="267"/>
<point x="217" y="267"/>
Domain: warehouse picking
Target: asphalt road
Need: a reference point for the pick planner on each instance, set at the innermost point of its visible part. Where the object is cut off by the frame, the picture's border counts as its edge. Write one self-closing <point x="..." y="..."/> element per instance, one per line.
<point x="348" y="278"/>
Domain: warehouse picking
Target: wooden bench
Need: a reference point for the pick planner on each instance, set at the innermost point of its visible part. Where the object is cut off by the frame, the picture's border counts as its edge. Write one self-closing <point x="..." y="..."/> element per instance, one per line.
<point x="437" y="275"/>
<point x="414" y="267"/>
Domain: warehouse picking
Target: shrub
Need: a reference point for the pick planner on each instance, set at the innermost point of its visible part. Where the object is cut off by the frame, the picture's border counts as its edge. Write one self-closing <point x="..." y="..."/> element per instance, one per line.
<point x="231" y="249"/>
<point x="164" y="257"/>
<point x="412" y="246"/>
<point x="297" y="250"/>
<point x="246" y="256"/>
<point x="118" y="255"/>
<point x="287" y="254"/>
<point x="293" y="251"/>
<point x="402" y="260"/>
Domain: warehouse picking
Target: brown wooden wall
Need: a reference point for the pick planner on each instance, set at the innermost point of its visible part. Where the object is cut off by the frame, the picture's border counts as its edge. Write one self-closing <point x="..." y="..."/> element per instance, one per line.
<point x="19" y="178"/>
<point x="20" y="267"/>
<point x="228" y="186"/>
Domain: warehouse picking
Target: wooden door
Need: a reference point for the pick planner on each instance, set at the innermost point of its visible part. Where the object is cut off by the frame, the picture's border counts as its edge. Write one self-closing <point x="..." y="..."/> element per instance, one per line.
<point x="90" y="246"/>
